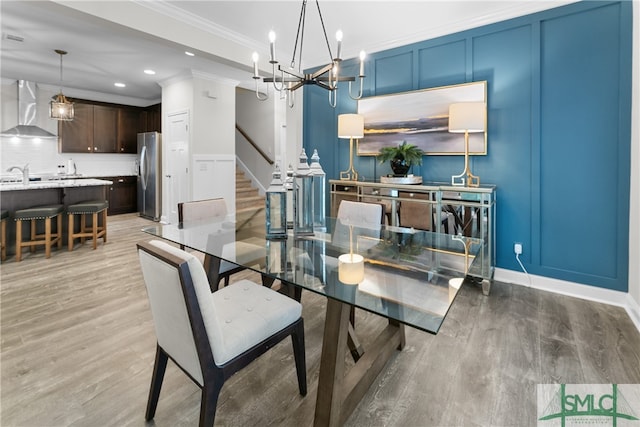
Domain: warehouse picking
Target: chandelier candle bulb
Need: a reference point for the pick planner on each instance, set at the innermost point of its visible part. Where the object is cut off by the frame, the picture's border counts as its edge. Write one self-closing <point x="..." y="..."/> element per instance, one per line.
<point x="362" y="56"/>
<point x="255" y="58"/>
<point x="272" y="46"/>
<point x="339" y="49"/>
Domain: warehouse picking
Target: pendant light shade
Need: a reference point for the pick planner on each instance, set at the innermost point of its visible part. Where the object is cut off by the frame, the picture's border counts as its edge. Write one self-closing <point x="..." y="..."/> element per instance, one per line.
<point x="60" y="108"/>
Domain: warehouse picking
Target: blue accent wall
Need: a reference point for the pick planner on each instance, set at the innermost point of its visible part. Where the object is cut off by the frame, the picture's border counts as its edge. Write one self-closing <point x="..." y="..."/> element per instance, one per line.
<point x="559" y="131"/>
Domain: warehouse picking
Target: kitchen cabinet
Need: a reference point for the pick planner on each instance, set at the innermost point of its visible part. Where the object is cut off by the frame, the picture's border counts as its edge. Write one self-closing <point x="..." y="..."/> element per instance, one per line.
<point x="129" y="124"/>
<point x="92" y="130"/>
<point x="122" y="195"/>
<point x="152" y="118"/>
<point x="77" y="135"/>
<point x="106" y="128"/>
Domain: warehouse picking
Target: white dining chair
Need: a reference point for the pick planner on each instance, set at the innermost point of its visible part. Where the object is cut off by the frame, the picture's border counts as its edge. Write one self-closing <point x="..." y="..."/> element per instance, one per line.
<point x="216" y="210"/>
<point x="211" y="336"/>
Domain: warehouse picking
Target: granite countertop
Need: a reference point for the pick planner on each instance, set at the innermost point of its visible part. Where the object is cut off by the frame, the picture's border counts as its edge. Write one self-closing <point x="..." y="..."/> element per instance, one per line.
<point x="59" y="183"/>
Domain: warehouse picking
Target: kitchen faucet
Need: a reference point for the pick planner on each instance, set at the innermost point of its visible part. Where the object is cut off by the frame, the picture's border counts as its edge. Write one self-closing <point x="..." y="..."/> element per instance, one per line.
<point x="24" y="170"/>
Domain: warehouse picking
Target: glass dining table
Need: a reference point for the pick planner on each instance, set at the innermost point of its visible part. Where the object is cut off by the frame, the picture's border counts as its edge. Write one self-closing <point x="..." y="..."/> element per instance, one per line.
<point x="410" y="277"/>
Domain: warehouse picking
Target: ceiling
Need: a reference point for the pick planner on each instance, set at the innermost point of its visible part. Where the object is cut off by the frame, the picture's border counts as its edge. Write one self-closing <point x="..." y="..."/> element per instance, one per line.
<point x="101" y="52"/>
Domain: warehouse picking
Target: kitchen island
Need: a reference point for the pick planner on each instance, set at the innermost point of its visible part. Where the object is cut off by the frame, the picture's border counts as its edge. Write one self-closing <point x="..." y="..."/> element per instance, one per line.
<point x="15" y="196"/>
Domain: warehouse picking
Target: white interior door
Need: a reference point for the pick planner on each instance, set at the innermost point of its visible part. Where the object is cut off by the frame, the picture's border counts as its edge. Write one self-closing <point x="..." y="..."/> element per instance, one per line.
<point x="177" y="164"/>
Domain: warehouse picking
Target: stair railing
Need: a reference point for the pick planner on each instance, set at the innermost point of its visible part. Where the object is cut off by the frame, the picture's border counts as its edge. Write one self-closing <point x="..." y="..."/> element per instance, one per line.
<point x="254" y="145"/>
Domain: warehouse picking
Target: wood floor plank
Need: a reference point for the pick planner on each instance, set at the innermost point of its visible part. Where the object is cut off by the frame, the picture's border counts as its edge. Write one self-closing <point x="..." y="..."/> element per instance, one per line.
<point x="77" y="349"/>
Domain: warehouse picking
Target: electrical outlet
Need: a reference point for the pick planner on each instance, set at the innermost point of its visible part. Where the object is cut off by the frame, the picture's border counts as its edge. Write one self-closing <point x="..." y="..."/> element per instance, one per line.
<point x="517" y="248"/>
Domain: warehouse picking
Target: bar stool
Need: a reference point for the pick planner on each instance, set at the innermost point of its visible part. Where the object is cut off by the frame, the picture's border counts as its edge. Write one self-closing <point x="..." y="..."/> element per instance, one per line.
<point x="48" y="239"/>
<point x="96" y="231"/>
<point x="4" y="215"/>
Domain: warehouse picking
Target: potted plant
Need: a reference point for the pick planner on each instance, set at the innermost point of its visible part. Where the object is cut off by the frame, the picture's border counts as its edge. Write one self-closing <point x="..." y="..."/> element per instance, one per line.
<point x="401" y="157"/>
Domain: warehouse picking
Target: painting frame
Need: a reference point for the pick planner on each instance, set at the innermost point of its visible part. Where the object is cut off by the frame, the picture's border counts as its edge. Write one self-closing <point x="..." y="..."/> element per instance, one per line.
<point x="421" y="118"/>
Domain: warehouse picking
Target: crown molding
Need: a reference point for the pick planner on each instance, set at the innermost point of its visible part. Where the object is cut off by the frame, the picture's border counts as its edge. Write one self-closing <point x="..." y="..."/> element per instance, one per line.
<point x="168" y="9"/>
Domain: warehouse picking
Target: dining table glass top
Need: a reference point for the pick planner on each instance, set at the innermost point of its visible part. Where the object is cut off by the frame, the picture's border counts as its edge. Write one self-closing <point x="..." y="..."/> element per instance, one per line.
<point x="411" y="276"/>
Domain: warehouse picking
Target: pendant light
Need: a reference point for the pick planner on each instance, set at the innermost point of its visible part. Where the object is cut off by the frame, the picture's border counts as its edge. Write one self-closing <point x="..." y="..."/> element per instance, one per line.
<point x="60" y="108"/>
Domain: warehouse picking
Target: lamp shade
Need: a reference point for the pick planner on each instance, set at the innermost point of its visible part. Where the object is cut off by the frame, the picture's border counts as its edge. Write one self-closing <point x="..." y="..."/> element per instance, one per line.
<point x="467" y="117"/>
<point x="350" y="126"/>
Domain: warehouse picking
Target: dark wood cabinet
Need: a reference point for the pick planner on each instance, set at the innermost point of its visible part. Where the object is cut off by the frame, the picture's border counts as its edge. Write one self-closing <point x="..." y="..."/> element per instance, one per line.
<point x="77" y="136"/>
<point x="129" y="124"/>
<point x="152" y="118"/>
<point x="100" y="127"/>
<point x="105" y="129"/>
<point x="123" y="195"/>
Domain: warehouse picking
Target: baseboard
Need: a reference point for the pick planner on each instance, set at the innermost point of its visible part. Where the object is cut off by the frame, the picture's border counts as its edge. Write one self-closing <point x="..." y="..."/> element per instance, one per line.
<point x="577" y="290"/>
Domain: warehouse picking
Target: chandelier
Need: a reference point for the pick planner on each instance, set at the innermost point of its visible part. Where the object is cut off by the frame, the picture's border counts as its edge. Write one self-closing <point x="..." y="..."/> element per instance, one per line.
<point x="286" y="80"/>
<point x="60" y="108"/>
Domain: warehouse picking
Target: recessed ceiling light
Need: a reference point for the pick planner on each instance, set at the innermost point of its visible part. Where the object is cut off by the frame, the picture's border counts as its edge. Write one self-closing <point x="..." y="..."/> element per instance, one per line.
<point x="150" y="72"/>
<point x="119" y="84"/>
<point x="189" y="53"/>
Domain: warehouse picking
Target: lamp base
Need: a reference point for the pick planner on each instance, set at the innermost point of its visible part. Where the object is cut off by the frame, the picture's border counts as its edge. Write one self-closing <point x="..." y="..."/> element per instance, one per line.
<point x="466" y="179"/>
<point x="350" y="175"/>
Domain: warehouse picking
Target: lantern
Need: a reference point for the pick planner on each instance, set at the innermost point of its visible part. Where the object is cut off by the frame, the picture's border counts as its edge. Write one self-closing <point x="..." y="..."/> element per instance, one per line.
<point x="276" y="206"/>
<point x="319" y="193"/>
<point x="302" y="198"/>
<point x="288" y="185"/>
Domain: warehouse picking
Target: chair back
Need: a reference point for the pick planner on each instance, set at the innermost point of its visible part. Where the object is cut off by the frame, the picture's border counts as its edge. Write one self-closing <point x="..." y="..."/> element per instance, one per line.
<point x="367" y="217"/>
<point x="202" y="209"/>
<point x="361" y="214"/>
<point x="181" y="305"/>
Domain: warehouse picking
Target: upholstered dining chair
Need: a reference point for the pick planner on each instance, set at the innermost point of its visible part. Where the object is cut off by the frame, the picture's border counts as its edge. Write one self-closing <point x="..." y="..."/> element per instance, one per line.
<point x="216" y="209"/>
<point x="211" y="336"/>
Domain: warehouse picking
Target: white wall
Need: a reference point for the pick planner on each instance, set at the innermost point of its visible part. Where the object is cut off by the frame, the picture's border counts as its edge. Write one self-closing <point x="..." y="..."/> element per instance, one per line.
<point x="213" y="115"/>
<point x="210" y="102"/>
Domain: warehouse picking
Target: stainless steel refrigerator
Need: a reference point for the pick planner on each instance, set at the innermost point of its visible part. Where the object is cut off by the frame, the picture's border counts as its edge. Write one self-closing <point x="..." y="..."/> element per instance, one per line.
<point x="149" y="175"/>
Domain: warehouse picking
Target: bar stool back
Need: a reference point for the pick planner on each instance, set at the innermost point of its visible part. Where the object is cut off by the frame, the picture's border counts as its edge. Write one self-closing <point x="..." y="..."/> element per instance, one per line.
<point x="93" y="208"/>
<point x="48" y="239"/>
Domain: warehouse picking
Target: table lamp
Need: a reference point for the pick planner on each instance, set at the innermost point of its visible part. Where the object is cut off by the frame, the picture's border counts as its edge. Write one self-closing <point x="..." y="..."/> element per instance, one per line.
<point x="467" y="117"/>
<point x="350" y="126"/>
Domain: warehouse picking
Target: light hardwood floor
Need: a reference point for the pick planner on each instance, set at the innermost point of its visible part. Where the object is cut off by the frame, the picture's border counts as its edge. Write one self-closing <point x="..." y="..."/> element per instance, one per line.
<point x="78" y="347"/>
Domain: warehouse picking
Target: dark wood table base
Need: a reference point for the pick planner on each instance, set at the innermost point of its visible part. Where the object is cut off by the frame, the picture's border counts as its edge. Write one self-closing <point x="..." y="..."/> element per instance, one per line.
<point x="339" y="392"/>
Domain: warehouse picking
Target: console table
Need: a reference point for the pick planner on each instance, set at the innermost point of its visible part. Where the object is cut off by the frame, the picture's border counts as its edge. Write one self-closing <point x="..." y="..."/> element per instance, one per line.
<point x="432" y="206"/>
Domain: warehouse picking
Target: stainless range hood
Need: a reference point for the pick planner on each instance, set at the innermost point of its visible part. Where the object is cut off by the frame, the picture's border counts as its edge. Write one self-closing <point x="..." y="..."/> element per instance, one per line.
<point x="27" y="114"/>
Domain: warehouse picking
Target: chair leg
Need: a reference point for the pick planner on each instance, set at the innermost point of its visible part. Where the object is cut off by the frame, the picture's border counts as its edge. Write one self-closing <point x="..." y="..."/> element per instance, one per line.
<point x="104" y="226"/>
<point x="47" y="238"/>
<point x="32" y="223"/>
<point x="209" y="403"/>
<point x="159" y="368"/>
<point x="297" y="338"/>
<point x="59" y="231"/>
<point x="94" y="229"/>
<point x="83" y="227"/>
<point x="18" y="240"/>
<point x="70" y="232"/>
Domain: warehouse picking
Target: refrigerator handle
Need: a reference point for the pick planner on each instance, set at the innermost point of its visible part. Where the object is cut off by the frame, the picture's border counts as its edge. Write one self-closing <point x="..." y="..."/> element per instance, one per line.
<point x="143" y="167"/>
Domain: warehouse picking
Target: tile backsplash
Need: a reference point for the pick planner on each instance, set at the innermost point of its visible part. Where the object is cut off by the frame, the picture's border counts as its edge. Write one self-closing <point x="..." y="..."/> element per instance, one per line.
<point x="43" y="158"/>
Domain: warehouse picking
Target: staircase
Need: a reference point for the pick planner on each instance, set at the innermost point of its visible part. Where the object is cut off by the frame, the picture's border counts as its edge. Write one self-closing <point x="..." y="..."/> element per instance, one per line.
<point x="247" y="197"/>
